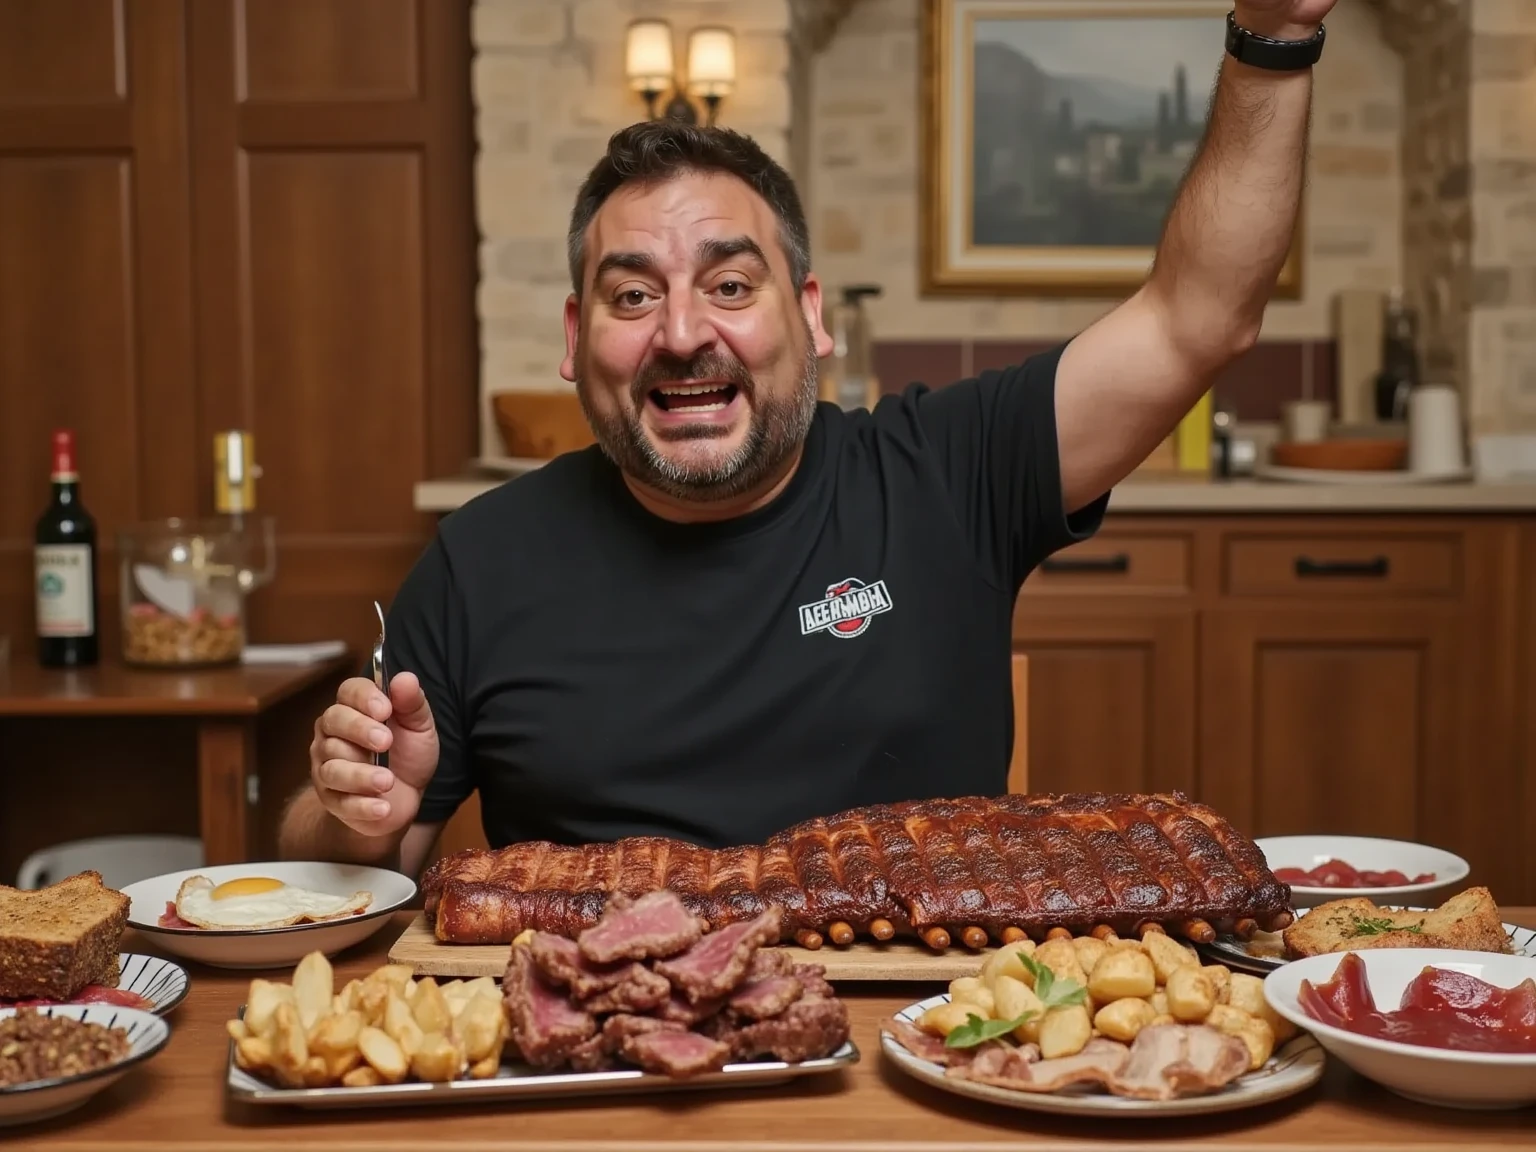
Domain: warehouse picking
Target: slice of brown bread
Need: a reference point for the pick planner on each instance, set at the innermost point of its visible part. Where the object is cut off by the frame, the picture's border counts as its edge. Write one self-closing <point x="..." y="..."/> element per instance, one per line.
<point x="1469" y="920"/>
<point x="56" y="940"/>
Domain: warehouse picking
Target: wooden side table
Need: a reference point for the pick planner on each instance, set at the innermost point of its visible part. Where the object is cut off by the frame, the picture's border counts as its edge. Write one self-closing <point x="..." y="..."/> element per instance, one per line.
<point x="250" y="724"/>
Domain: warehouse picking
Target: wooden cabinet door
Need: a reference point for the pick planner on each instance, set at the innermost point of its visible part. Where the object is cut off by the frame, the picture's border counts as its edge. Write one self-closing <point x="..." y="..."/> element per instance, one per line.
<point x="334" y="264"/>
<point x="1111" y="696"/>
<point x="1342" y="718"/>
<point x="95" y="273"/>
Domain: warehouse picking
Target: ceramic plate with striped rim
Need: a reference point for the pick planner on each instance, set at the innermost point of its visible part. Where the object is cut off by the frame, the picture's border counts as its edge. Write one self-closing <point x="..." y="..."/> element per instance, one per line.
<point x="1236" y="954"/>
<point x="1295" y="1067"/>
<point x="162" y="982"/>
<point x="41" y="1099"/>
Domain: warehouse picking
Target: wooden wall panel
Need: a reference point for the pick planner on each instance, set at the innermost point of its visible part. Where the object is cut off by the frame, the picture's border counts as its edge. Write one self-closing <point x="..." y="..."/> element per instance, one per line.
<point x="316" y="156"/>
<point x="83" y="57"/>
<point x="95" y="307"/>
<point x="329" y="50"/>
<point x="334" y="334"/>
<point x="335" y="274"/>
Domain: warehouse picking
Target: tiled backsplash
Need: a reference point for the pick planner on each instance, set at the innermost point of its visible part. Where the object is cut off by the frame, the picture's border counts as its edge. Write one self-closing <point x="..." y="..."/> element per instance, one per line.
<point x="1253" y="387"/>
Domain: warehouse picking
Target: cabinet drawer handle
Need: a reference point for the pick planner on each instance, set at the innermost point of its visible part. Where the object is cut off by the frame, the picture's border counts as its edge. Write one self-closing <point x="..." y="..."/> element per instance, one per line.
<point x="1119" y="562"/>
<point x="1305" y="566"/>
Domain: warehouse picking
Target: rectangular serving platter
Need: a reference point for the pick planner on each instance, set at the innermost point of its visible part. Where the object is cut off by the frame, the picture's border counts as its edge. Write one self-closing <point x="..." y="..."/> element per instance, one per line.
<point x="520" y="1082"/>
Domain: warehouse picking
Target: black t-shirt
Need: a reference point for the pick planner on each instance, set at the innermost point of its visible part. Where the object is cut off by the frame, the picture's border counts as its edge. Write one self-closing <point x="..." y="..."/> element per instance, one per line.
<point x="598" y="672"/>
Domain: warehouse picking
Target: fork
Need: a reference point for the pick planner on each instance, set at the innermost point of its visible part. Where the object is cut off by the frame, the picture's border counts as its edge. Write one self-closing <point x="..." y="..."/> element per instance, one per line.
<point x="380" y="675"/>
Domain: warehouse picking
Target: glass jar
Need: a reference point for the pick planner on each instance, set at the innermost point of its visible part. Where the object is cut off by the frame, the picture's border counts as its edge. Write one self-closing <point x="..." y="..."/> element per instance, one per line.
<point x="183" y="585"/>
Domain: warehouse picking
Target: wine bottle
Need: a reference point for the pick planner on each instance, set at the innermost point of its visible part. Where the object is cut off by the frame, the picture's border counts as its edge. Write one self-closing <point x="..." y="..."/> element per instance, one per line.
<point x="64" y="555"/>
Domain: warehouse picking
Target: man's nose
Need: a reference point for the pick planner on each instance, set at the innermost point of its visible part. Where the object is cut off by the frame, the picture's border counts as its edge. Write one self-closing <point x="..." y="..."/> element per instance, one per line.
<point x="685" y="326"/>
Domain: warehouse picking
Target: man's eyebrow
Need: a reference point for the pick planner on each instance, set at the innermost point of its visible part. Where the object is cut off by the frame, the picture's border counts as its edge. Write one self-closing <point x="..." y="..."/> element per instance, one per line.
<point x="624" y="261"/>
<point x="708" y="252"/>
<point x="714" y="251"/>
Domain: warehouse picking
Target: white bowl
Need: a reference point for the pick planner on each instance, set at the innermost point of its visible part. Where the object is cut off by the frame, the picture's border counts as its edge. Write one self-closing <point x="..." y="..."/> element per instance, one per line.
<point x="42" y="1099"/>
<point x="270" y="947"/>
<point x="1364" y="853"/>
<point x="1442" y="1076"/>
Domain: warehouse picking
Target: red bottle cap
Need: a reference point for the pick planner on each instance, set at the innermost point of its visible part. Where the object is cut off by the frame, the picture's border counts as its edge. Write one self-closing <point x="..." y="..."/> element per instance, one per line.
<point x="63" y="452"/>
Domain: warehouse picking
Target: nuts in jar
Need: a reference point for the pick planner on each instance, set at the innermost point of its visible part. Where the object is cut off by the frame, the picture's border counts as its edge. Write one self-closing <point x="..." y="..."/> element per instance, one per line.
<point x="155" y="637"/>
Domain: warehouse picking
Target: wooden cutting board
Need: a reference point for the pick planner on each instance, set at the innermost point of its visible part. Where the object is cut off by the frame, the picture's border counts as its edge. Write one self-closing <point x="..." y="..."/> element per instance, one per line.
<point x="893" y="961"/>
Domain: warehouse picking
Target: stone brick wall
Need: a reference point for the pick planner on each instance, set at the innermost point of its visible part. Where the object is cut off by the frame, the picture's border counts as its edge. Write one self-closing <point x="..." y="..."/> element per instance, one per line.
<point x="549" y="89"/>
<point x="1437" y="198"/>
<point x="865" y="164"/>
<point x="1500" y="387"/>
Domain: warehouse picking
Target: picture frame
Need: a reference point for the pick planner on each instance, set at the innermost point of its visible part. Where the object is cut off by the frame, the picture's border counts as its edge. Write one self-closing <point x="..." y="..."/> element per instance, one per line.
<point x="1073" y="189"/>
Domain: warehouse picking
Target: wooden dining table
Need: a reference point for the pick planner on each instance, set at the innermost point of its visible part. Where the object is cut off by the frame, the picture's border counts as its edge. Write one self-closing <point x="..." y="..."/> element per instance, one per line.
<point x="177" y="1101"/>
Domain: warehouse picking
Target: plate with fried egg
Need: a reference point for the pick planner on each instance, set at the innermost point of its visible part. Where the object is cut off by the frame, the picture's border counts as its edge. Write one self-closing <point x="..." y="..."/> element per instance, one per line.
<point x="265" y="914"/>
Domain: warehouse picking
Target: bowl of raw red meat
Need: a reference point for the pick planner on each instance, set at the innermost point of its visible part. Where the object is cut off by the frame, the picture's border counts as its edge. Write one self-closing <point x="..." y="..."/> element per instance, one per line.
<point x="1439" y="1025"/>
<point x="1323" y="868"/>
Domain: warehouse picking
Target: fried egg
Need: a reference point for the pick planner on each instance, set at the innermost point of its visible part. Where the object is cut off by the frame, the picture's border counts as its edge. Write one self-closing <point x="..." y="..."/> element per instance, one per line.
<point x="260" y="902"/>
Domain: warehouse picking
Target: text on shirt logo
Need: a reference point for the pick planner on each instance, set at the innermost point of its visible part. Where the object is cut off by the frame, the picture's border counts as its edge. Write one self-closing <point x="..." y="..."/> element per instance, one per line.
<point x="846" y="610"/>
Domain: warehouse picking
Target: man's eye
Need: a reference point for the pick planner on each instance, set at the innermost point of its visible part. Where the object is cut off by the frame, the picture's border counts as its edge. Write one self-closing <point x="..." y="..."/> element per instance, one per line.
<point x="733" y="289"/>
<point x="632" y="299"/>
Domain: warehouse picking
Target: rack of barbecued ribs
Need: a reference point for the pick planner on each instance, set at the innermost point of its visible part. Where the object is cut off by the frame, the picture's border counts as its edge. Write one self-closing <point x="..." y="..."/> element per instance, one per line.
<point x="973" y="869"/>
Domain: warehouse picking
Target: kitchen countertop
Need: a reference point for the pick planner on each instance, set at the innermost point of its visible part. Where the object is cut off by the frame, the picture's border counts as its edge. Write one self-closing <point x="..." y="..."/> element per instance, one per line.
<point x="1180" y="495"/>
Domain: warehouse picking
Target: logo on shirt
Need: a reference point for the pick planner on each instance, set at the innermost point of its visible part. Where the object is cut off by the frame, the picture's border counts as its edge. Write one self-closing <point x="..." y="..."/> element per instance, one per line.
<point x="846" y="610"/>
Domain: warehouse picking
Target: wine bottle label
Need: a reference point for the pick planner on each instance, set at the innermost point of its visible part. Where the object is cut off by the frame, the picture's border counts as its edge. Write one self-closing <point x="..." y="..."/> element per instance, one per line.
<point x="64" y="590"/>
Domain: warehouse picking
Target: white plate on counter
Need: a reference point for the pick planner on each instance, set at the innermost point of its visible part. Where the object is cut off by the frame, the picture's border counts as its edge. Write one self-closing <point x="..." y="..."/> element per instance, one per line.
<point x="1293" y="1068"/>
<point x="1255" y="956"/>
<point x="253" y="948"/>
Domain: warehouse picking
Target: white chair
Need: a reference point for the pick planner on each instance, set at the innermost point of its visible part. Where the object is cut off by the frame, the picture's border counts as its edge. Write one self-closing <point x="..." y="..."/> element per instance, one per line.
<point x="121" y="860"/>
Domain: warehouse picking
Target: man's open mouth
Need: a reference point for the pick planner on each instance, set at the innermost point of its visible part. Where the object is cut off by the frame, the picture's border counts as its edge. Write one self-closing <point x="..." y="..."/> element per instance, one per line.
<point x="692" y="397"/>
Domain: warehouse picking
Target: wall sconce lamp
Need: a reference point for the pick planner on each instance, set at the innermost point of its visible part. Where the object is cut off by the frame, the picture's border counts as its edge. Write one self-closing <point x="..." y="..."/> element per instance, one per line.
<point x="711" y="68"/>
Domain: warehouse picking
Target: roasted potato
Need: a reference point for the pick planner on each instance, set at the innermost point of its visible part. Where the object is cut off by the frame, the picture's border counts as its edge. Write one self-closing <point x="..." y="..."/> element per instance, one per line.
<point x="1064" y="1031"/>
<point x="1121" y="974"/>
<point x="1122" y="1019"/>
<point x="1005" y="962"/>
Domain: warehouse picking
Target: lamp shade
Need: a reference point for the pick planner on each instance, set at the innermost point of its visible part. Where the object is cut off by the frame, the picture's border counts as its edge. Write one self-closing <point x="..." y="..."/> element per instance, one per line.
<point x="648" y="55"/>
<point x="711" y="61"/>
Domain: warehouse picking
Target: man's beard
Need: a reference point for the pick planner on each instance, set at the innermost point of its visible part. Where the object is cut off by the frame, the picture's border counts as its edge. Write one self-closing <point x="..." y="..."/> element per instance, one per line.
<point x="778" y="427"/>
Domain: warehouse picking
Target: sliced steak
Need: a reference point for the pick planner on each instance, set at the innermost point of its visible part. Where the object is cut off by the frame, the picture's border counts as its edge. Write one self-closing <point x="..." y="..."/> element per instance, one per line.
<point x="545" y="1026"/>
<point x="716" y="964"/>
<point x="562" y="963"/>
<point x="773" y="962"/>
<point x="639" y="991"/>
<point x="592" y="1055"/>
<point x="622" y="1025"/>
<point x="677" y="1009"/>
<point x="813" y="980"/>
<point x="675" y="1054"/>
<point x="807" y="1030"/>
<point x="760" y="999"/>
<point x="654" y="925"/>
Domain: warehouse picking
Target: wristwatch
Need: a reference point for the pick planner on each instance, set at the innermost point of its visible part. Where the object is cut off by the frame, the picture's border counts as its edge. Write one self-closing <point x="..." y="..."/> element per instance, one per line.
<point x="1276" y="55"/>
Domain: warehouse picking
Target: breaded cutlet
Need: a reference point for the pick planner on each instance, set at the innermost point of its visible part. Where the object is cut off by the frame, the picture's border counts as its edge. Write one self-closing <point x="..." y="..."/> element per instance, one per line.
<point x="56" y="940"/>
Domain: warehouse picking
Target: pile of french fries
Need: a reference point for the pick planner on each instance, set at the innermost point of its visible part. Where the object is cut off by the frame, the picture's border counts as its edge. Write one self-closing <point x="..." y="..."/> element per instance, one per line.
<point x="378" y="1030"/>
<point x="1130" y="984"/>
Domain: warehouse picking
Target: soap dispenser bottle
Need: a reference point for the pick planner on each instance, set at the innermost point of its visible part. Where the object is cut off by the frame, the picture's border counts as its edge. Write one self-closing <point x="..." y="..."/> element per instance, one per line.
<point x="848" y="375"/>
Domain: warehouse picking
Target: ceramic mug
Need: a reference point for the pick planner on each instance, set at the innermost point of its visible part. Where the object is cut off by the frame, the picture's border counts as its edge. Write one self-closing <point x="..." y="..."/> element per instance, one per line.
<point x="1306" y="421"/>
<point x="1434" y="430"/>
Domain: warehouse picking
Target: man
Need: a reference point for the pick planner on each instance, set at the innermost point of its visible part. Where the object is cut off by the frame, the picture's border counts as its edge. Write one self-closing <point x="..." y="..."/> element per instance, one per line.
<point x="745" y="608"/>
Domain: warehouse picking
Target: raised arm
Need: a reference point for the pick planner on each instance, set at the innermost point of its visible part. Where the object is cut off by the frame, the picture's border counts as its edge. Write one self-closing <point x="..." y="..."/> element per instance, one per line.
<point x="1125" y="382"/>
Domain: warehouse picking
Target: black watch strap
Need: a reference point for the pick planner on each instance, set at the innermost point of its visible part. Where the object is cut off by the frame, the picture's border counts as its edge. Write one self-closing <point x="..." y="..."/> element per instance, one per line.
<point x="1276" y="55"/>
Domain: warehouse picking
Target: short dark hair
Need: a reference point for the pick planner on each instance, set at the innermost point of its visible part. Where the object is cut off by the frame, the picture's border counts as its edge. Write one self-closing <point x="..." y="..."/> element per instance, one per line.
<point x="657" y="150"/>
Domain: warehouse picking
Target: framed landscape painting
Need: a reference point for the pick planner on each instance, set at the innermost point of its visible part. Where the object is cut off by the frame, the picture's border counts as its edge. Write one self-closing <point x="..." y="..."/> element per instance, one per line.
<point x="1056" y="135"/>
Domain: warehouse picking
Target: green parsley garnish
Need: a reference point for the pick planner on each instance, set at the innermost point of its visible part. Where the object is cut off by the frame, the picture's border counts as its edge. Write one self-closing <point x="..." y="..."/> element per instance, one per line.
<point x="1374" y="926"/>
<point x="1052" y="993"/>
